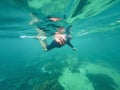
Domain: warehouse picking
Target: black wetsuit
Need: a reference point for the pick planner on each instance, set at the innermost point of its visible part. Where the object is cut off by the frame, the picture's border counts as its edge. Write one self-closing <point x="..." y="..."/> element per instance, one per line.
<point x="54" y="44"/>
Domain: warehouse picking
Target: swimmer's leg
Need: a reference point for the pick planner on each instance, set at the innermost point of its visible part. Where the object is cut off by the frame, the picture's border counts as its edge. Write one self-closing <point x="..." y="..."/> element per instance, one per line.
<point x="26" y="36"/>
<point x="42" y="38"/>
<point x="34" y="19"/>
<point x="43" y="44"/>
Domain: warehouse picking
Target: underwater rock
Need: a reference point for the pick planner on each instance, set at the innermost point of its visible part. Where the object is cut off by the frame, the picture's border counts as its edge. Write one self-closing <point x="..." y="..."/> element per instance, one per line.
<point x="49" y="85"/>
<point x="72" y="63"/>
<point x="96" y="69"/>
<point x="74" y="81"/>
<point x="102" y="82"/>
<point x="90" y="77"/>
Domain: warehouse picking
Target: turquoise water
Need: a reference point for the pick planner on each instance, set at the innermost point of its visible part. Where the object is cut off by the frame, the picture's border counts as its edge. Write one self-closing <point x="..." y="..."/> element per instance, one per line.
<point x="96" y="34"/>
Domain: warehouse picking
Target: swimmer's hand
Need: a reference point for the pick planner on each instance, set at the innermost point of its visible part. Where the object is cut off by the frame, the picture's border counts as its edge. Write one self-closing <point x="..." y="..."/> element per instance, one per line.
<point x="75" y="49"/>
<point x="61" y="39"/>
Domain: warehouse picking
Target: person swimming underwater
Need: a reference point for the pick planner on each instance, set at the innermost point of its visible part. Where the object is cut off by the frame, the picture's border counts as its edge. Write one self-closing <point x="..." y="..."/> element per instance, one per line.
<point x="56" y="27"/>
<point x="60" y="39"/>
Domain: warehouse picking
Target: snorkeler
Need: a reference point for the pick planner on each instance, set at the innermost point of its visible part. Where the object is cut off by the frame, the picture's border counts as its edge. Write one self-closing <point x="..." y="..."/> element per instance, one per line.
<point x="60" y="39"/>
<point x="56" y="29"/>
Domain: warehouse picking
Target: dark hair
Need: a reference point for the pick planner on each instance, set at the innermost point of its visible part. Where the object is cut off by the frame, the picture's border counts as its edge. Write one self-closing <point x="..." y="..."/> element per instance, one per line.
<point x="49" y="17"/>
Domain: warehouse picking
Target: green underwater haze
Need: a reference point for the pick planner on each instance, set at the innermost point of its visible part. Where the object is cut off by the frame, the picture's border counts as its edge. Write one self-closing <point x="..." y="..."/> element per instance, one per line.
<point x="96" y="35"/>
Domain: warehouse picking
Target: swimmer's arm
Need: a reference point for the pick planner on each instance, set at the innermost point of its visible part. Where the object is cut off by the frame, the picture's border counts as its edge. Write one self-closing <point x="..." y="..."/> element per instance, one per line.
<point x="69" y="44"/>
